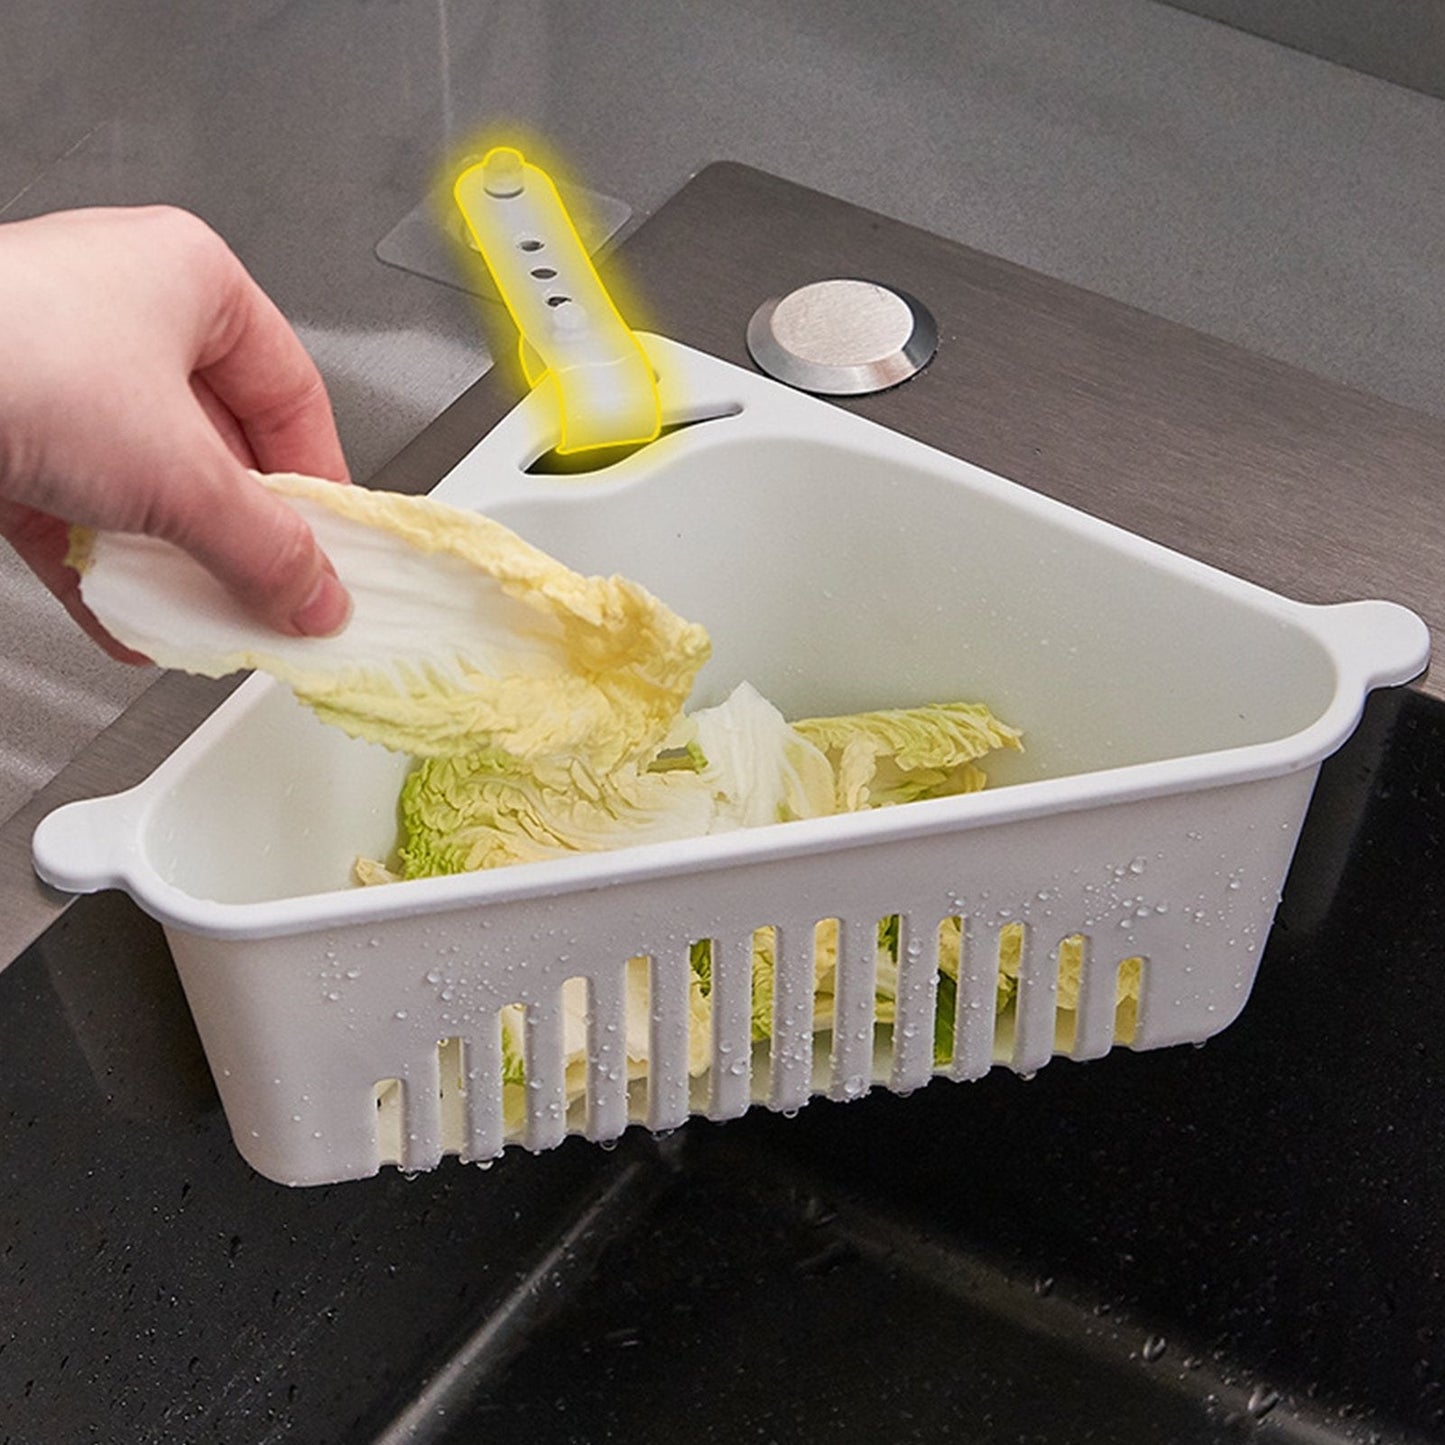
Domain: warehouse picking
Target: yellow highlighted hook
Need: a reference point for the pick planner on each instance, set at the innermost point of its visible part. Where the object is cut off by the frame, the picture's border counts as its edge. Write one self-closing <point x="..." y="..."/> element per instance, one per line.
<point x="572" y="334"/>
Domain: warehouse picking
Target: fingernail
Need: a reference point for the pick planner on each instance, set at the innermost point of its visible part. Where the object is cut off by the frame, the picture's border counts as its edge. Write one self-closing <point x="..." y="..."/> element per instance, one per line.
<point x="326" y="611"/>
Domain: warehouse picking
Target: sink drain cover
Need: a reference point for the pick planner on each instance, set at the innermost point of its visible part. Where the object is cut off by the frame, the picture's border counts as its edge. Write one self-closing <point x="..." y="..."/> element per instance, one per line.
<point x="842" y="337"/>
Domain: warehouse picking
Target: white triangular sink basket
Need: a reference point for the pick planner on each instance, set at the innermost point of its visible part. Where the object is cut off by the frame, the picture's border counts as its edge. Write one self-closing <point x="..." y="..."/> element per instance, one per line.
<point x="1175" y="718"/>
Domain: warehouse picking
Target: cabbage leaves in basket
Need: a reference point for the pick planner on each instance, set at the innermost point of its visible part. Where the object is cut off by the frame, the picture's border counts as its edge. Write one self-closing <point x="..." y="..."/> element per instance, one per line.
<point x="738" y="764"/>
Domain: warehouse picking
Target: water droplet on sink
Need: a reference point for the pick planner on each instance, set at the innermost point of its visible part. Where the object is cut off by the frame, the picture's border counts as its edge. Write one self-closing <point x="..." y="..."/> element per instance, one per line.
<point x="1262" y="1400"/>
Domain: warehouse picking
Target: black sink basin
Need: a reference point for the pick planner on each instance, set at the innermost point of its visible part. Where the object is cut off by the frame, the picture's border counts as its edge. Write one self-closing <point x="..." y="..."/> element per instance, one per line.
<point x="1185" y="1245"/>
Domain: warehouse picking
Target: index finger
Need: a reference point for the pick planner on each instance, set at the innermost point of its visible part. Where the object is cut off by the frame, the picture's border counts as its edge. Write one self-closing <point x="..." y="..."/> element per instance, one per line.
<point x="256" y="366"/>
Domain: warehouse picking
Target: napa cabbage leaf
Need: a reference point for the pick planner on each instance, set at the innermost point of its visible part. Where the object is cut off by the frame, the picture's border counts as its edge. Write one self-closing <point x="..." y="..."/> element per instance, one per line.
<point x="463" y="636"/>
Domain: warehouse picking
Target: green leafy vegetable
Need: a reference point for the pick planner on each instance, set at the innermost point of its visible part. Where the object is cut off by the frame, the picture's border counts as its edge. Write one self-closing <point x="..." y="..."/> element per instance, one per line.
<point x="903" y="755"/>
<point x="491" y="808"/>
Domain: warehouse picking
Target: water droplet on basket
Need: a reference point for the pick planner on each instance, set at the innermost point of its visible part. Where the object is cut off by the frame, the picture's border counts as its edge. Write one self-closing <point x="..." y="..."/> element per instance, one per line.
<point x="853" y="1085"/>
<point x="433" y="976"/>
<point x="333" y="996"/>
<point x="1137" y="865"/>
<point x="790" y="1113"/>
<point x="399" y="1014"/>
<point x="353" y="973"/>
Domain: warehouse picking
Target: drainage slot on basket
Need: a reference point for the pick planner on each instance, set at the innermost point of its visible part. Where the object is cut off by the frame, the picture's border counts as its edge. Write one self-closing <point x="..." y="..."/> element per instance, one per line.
<point x="390" y="1096"/>
<point x="701" y="1047"/>
<point x="452" y="1092"/>
<point x="889" y="967"/>
<point x="1129" y="990"/>
<point x="511" y="1026"/>
<point x="949" y="943"/>
<point x="1008" y="957"/>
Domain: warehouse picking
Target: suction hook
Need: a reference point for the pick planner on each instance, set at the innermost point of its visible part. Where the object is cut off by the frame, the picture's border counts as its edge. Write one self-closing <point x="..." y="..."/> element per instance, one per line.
<point x="571" y="332"/>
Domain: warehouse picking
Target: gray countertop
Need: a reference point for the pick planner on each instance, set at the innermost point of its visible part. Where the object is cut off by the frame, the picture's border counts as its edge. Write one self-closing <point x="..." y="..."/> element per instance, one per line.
<point x="1263" y="196"/>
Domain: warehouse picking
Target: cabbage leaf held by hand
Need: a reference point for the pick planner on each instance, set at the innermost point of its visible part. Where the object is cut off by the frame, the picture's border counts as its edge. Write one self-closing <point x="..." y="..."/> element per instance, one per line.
<point x="462" y="635"/>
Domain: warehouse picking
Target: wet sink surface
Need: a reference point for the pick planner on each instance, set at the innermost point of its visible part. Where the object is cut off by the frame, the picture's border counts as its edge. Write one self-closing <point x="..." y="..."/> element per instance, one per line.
<point x="748" y="1303"/>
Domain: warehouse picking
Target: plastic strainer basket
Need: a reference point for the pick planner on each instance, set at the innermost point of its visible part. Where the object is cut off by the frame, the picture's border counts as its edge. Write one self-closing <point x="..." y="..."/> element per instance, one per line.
<point x="1174" y="717"/>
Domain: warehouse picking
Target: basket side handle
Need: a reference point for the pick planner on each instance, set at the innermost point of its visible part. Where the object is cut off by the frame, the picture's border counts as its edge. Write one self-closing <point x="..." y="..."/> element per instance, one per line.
<point x="88" y="845"/>
<point x="1380" y="643"/>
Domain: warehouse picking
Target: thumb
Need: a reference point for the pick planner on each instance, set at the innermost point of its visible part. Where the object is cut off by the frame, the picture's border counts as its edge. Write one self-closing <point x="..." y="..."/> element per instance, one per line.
<point x="255" y="544"/>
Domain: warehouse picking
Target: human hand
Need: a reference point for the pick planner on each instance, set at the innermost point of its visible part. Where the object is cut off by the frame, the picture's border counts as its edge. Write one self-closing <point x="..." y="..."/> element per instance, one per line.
<point x="142" y="371"/>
